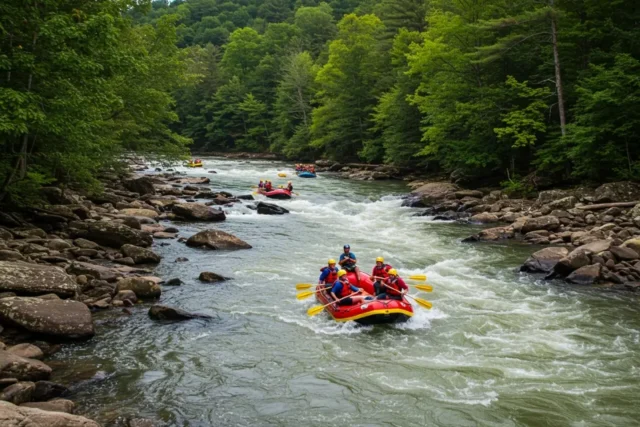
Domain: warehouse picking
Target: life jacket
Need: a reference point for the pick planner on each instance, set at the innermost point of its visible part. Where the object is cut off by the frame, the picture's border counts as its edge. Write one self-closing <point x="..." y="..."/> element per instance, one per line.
<point x="332" y="276"/>
<point x="268" y="187"/>
<point x="381" y="271"/>
<point x="290" y="187"/>
<point x="346" y="290"/>
<point x="350" y="261"/>
<point x="392" y="287"/>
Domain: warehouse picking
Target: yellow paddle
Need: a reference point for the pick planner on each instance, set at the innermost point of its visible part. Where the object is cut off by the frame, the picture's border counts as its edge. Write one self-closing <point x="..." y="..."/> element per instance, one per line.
<point x="300" y="286"/>
<point x="418" y="277"/>
<point x="422" y="302"/>
<point x="423" y="288"/>
<point x="305" y="295"/>
<point x="318" y="308"/>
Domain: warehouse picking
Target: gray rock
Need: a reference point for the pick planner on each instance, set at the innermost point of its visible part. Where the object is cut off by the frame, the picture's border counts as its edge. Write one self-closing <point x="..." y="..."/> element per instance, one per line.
<point x="5" y="234"/>
<point x="141" y="186"/>
<point x="492" y="234"/>
<point x="86" y="244"/>
<point x="624" y="253"/>
<point x="270" y="209"/>
<point x="468" y="193"/>
<point x="94" y="270"/>
<point x="63" y="318"/>
<point x="544" y="260"/>
<point x="58" y="244"/>
<point x="435" y="191"/>
<point x="162" y="312"/>
<point x="23" y="369"/>
<point x="595" y="247"/>
<point x="112" y="234"/>
<point x="46" y="390"/>
<point x="571" y="262"/>
<point x="18" y="393"/>
<point x="55" y="405"/>
<point x="140" y="255"/>
<point x="217" y="240"/>
<point x="624" y="191"/>
<point x="198" y="212"/>
<point x="27" y="350"/>
<point x="35" y="279"/>
<point x="564" y="203"/>
<point x="9" y="255"/>
<point x="546" y="222"/>
<point x="484" y="218"/>
<point x="19" y="416"/>
<point x="586" y="275"/>
<point x="207" y="276"/>
<point x="143" y="288"/>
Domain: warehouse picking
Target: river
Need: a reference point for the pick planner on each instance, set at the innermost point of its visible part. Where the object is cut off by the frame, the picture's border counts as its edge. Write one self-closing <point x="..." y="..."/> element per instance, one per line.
<point x="497" y="349"/>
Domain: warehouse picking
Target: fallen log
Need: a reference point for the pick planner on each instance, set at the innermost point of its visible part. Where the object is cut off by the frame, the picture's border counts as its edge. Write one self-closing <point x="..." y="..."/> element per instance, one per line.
<point x="607" y="206"/>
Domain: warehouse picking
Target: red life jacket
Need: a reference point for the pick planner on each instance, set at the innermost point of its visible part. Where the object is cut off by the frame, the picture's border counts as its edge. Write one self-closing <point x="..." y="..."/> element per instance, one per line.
<point x="346" y="290"/>
<point x="333" y="275"/>
<point x="381" y="271"/>
<point x="392" y="287"/>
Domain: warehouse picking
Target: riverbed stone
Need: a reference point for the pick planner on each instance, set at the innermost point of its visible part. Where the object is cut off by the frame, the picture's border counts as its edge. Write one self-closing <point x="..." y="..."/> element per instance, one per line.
<point x="35" y="279"/>
<point x="435" y="191"/>
<point x="210" y="277"/>
<point x="94" y="270"/>
<point x="27" y="350"/>
<point x="23" y="416"/>
<point x="217" y="240"/>
<point x="270" y="209"/>
<point x="623" y="191"/>
<point x="572" y="261"/>
<point x="54" y="405"/>
<point x="142" y="185"/>
<point x="484" y="218"/>
<point x="140" y="255"/>
<point x="163" y="312"/>
<point x="111" y="234"/>
<point x="144" y="213"/>
<point x="63" y="318"/>
<point x="21" y="368"/>
<point x="624" y="253"/>
<point x="142" y="287"/>
<point x="596" y="246"/>
<point x="633" y="244"/>
<point x="46" y="390"/>
<point x="198" y="212"/>
<point x="586" y="275"/>
<point x="544" y="260"/>
<point x="545" y="222"/>
<point x="9" y="255"/>
<point x="492" y="234"/>
<point x="18" y="393"/>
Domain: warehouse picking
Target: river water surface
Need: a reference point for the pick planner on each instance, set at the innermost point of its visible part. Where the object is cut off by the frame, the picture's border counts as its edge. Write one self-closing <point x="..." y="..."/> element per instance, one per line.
<point x="497" y="349"/>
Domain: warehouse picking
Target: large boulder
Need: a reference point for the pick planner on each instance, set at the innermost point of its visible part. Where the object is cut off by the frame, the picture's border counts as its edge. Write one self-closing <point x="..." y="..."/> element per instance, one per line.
<point x="544" y="260"/>
<point x="586" y="275"/>
<point x="546" y="222"/>
<point x="432" y="192"/>
<point x="23" y="416"/>
<point x="624" y="191"/>
<point x="55" y="405"/>
<point x="624" y="253"/>
<point x="141" y="186"/>
<point x="46" y="390"/>
<point x="35" y="279"/>
<point x="595" y="247"/>
<point x="18" y="393"/>
<point x="140" y="255"/>
<point x="270" y="209"/>
<point x="111" y="234"/>
<point x="144" y="213"/>
<point x="564" y="203"/>
<point x="218" y="240"/>
<point x="163" y="312"/>
<point x="492" y="234"/>
<point x="198" y="212"/>
<point x="63" y="318"/>
<point x="484" y="218"/>
<point x="27" y="350"/>
<point x="142" y="287"/>
<point x="21" y="368"/>
<point x="210" y="277"/>
<point x="571" y="262"/>
<point x="633" y="244"/>
<point x="94" y="270"/>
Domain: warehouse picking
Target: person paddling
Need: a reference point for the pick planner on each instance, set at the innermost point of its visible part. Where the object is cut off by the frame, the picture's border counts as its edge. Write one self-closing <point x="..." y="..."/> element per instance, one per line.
<point x="379" y="273"/>
<point x="394" y="287"/>
<point x="261" y="185"/>
<point x="329" y="274"/>
<point x="343" y="289"/>
<point x="348" y="261"/>
<point x="290" y="187"/>
<point x="268" y="186"/>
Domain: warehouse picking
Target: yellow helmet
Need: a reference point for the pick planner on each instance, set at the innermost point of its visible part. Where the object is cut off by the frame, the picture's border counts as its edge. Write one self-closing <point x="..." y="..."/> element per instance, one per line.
<point x="393" y="272"/>
<point x="379" y="259"/>
<point x="332" y="261"/>
<point x="342" y="273"/>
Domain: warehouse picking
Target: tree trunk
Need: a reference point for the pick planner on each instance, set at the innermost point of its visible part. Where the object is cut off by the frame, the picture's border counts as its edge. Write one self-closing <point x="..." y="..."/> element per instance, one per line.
<point x="556" y="61"/>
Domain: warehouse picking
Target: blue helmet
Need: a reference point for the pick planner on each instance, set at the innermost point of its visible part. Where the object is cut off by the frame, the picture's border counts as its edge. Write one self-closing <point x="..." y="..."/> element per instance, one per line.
<point x="347" y="247"/>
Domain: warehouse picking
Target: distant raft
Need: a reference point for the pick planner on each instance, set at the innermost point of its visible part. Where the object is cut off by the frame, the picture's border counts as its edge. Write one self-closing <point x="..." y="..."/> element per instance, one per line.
<point x="306" y="174"/>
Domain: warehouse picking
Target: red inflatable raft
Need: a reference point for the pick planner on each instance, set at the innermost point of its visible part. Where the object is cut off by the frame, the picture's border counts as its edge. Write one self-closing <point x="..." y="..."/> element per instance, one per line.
<point x="371" y="312"/>
<point x="279" y="193"/>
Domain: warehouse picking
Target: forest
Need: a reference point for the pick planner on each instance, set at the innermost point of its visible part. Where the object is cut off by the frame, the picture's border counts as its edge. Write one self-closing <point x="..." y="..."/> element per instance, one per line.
<point x="529" y="94"/>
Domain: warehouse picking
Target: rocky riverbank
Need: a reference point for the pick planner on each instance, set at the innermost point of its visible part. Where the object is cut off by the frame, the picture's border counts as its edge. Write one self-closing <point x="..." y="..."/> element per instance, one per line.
<point x="82" y="253"/>
<point x="593" y="233"/>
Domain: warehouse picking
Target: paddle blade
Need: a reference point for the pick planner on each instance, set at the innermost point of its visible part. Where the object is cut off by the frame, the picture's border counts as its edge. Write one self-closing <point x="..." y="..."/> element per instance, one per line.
<point x="424" y="303"/>
<point x="418" y="277"/>
<point x="315" y="310"/>
<point x="424" y="288"/>
<point x="304" y="295"/>
<point x="300" y="286"/>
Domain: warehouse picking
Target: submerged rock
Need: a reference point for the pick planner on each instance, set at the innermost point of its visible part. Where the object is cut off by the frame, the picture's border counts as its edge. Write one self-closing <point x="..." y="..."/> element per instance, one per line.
<point x="208" y="276"/>
<point x="143" y="288"/>
<point x="270" y="209"/>
<point x="140" y="255"/>
<point x="163" y="312"/>
<point x="198" y="212"/>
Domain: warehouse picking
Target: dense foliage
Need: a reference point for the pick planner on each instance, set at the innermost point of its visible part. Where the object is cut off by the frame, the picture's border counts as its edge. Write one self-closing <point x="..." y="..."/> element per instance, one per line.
<point x="522" y="92"/>
<point x="80" y="84"/>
